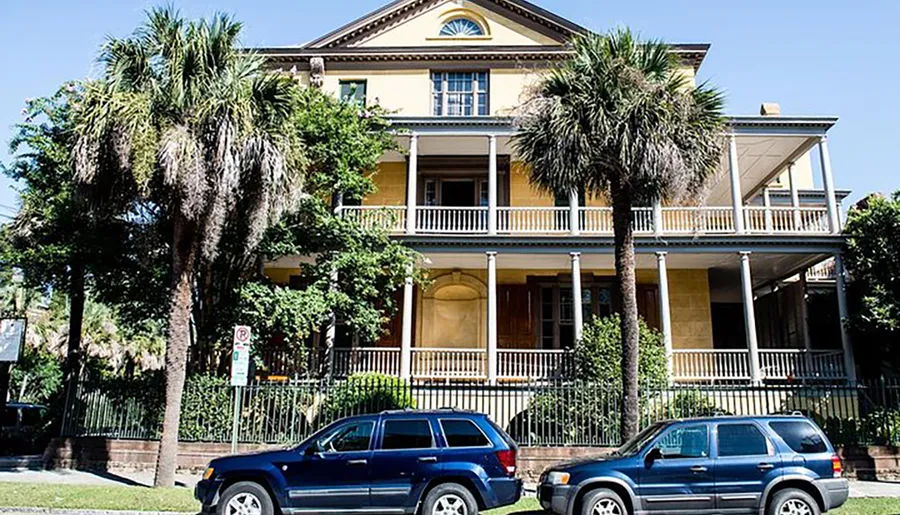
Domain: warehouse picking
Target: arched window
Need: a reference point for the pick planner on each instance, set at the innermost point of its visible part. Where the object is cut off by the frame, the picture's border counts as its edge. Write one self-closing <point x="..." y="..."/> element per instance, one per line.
<point x="461" y="27"/>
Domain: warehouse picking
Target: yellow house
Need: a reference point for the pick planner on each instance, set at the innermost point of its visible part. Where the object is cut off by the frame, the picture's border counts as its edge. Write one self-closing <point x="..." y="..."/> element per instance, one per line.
<point x="516" y="273"/>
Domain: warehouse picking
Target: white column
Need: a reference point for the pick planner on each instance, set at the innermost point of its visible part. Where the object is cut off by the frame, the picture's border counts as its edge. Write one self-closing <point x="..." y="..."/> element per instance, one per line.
<point x="795" y="197"/>
<point x="750" y="317"/>
<point x="576" y="295"/>
<point x="767" y="202"/>
<point x="834" y="222"/>
<point x="492" y="317"/>
<point x="657" y="218"/>
<point x="844" y="312"/>
<point x="412" y="176"/>
<point x="492" y="185"/>
<point x="737" y="198"/>
<point x="407" y="329"/>
<point x="665" y="315"/>
<point x="574" y="225"/>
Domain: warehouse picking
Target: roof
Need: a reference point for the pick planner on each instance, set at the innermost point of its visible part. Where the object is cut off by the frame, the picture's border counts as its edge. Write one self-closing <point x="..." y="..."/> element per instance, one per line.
<point x="734" y="418"/>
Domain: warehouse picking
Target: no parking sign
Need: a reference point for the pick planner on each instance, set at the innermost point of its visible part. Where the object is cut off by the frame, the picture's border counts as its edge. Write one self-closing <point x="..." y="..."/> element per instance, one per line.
<point x="240" y="361"/>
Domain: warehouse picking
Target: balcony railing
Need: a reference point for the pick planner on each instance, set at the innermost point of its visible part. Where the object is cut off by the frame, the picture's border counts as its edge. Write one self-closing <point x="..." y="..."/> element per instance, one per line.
<point x="824" y="271"/>
<point x="550" y="221"/>
<point x="775" y="364"/>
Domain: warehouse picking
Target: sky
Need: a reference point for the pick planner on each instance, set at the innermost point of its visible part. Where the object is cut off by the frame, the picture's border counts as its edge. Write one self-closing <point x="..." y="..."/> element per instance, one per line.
<point x="814" y="57"/>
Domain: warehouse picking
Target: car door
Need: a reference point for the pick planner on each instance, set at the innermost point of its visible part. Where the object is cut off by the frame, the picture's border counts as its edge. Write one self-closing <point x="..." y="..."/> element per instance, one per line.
<point x="745" y="463"/>
<point x="334" y="472"/>
<point x="678" y="472"/>
<point x="405" y="458"/>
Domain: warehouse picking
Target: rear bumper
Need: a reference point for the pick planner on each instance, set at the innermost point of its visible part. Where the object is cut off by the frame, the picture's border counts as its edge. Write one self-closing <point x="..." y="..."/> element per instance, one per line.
<point x="506" y="491"/>
<point x="834" y="491"/>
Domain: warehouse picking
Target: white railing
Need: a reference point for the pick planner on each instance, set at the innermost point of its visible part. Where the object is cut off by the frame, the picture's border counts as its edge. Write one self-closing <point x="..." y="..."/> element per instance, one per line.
<point x="533" y="220"/>
<point x="451" y="220"/>
<point x="824" y="271"/>
<point x="642" y="219"/>
<point x="697" y="220"/>
<point x="389" y="218"/>
<point x="780" y="220"/>
<point x="449" y="363"/>
<point x="710" y="365"/>
<point x="801" y="364"/>
<point x="528" y="364"/>
<point x="360" y="359"/>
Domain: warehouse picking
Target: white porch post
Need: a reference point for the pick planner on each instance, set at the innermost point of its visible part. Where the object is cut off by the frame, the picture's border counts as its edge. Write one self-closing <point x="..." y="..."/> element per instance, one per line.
<point x="795" y="196"/>
<point x="750" y="317"/>
<point x="834" y="221"/>
<point x="407" y="329"/>
<point x="844" y="312"/>
<point x="492" y="317"/>
<point x="665" y="316"/>
<point x="412" y="176"/>
<point x="657" y="218"/>
<point x="574" y="225"/>
<point x="767" y="202"/>
<point x="737" y="198"/>
<point x="576" y="295"/>
<point x="492" y="185"/>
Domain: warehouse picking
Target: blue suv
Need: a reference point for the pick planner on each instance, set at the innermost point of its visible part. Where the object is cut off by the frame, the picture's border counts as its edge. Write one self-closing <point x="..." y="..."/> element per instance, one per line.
<point x="777" y="465"/>
<point x="428" y="462"/>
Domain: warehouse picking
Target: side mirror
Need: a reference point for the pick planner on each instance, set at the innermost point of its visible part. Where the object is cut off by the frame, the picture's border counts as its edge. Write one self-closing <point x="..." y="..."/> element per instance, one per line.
<point x="653" y="455"/>
<point x="312" y="450"/>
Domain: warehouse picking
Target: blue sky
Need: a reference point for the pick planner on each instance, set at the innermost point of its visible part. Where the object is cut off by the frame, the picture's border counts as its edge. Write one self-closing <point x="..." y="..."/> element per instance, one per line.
<point x="814" y="57"/>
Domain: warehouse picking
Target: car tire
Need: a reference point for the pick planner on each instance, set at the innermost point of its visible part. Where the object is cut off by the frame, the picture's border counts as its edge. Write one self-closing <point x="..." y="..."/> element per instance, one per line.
<point x="449" y="498"/>
<point x="603" y="501"/>
<point x="793" y="501"/>
<point x="247" y="494"/>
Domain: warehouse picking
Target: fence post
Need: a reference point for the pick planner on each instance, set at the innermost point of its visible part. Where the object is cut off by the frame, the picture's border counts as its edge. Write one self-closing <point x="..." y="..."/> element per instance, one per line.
<point x="236" y="419"/>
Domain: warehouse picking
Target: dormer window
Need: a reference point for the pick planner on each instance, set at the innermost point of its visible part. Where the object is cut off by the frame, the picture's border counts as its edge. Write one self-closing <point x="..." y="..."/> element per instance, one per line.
<point x="461" y="28"/>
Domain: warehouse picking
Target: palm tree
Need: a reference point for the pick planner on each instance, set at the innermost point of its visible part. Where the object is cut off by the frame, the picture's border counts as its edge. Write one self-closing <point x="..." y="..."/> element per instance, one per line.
<point x="618" y="121"/>
<point x="187" y="122"/>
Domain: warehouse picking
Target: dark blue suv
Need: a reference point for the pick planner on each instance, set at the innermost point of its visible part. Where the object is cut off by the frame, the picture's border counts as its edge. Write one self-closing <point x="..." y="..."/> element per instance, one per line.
<point x="777" y="465"/>
<point x="444" y="462"/>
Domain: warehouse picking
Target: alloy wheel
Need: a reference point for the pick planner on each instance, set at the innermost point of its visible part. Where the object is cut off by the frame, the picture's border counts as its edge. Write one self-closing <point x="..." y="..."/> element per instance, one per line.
<point x="607" y="507"/>
<point x="795" y="507"/>
<point x="244" y="504"/>
<point x="450" y="504"/>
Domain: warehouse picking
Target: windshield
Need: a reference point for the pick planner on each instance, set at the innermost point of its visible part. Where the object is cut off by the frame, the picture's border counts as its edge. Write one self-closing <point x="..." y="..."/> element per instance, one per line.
<point x="637" y="443"/>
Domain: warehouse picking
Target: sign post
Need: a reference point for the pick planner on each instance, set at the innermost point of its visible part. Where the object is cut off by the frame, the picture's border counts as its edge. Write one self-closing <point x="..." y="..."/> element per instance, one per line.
<point x="240" y="368"/>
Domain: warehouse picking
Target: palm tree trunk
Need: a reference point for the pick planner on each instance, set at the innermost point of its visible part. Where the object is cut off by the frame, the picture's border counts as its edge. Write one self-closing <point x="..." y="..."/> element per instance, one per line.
<point x="183" y="255"/>
<point x="624" y="242"/>
<point x="71" y="370"/>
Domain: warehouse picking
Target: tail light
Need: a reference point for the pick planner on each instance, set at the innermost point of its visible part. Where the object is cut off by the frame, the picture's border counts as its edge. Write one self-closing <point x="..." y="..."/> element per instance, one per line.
<point x="837" y="468"/>
<point x="508" y="461"/>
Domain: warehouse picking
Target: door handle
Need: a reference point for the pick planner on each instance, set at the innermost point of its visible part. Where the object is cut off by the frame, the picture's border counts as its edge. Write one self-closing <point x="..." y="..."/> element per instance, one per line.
<point x="357" y="462"/>
<point x="765" y="466"/>
<point x="698" y="469"/>
<point x="428" y="459"/>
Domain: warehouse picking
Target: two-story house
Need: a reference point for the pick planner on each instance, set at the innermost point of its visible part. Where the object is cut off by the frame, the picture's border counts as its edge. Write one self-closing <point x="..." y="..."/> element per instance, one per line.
<point x="515" y="272"/>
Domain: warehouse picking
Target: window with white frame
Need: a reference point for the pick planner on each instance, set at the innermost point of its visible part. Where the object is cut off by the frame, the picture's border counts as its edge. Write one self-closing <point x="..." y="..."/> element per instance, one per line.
<point x="459" y="93"/>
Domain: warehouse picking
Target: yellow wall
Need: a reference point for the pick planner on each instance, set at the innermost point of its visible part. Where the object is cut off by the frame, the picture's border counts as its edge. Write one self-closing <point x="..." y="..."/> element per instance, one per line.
<point x="521" y="192"/>
<point x="391" y="183"/>
<point x="690" y="308"/>
<point x="408" y="92"/>
<point x="281" y="275"/>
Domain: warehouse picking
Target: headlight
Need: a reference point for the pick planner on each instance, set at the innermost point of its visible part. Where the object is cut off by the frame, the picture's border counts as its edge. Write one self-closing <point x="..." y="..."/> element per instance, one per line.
<point x="209" y="473"/>
<point x="558" y="478"/>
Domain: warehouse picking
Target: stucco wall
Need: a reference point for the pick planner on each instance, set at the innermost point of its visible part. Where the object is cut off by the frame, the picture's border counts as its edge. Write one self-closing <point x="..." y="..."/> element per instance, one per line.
<point x="690" y="309"/>
<point x="390" y="181"/>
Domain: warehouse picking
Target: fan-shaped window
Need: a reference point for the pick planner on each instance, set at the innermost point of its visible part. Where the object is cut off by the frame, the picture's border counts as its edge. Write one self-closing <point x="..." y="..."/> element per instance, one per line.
<point x="461" y="27"/>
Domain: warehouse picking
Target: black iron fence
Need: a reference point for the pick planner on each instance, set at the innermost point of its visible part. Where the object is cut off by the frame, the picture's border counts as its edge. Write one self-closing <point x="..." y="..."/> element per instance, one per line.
<point x="539" y="414"/>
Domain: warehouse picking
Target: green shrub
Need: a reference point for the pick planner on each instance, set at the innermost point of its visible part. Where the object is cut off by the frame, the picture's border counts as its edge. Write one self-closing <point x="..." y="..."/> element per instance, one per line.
<point x="880" y="427"/>
<point x="37" y="377"/>
<point x="577" y="414"/>
<point x="206" y="409"/>
<point x="367" y="393"/>
<point x="688" y="404"/>
<point x="598" y="355"/>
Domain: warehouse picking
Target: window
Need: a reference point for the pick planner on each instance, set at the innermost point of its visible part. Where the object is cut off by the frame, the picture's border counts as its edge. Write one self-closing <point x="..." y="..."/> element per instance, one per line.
<point x="354" y="91"/>
<point x="741" y="440"/>
<point x="463" y="433"/>
<point x="685" y="442"/>
<point x="800" y="436"/>
<point x="406" y="434"/>
<point x="431" y="192"/>
<point x="461" y="27"/>
<point x="349" y="438"/>
<point x="459" y="93"/>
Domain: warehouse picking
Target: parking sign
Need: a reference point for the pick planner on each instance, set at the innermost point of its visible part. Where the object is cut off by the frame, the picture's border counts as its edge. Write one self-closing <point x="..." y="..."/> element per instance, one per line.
<point x="240" y="362"/>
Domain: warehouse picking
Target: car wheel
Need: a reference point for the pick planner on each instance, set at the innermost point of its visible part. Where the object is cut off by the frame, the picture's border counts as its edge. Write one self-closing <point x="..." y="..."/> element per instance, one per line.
<point x="793" y="502"/>
<point x="245" y="498"/>
<point x="450" y="499"/>
<point x="603" y="501"/>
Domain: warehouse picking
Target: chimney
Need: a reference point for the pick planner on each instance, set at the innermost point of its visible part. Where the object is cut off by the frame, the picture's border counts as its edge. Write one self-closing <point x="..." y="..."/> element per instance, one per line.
<point x="769" y="109"/>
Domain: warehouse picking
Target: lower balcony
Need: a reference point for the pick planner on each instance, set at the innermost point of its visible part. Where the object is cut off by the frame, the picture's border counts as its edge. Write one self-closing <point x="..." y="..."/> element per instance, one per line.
<point x="549" y="221"/>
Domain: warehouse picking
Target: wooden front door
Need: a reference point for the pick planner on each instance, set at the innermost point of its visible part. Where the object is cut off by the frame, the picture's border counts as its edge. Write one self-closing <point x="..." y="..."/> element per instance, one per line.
<point x="515" y="319"/>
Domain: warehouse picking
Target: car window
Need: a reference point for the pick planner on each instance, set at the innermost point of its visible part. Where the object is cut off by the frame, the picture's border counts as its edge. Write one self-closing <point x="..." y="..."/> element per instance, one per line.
<point x="638" y="442"/>
<point x="351" y="437"/>
<point x="741" y="440"/>
<point x="32" y="416"/>
<point x="463" y="433"/>
<point x="10" y="417"/>
<point x="691" y="441"/>
<point x="406" y="434"/>
<point x="800" y="436"/>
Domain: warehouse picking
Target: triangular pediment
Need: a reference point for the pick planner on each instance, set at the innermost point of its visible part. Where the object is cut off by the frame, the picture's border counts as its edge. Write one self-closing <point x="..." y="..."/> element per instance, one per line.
<point x="424" y="23"/>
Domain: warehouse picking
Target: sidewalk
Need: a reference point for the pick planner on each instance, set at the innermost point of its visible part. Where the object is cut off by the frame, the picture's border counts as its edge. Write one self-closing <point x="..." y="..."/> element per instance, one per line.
<point x="93" y="477"/>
